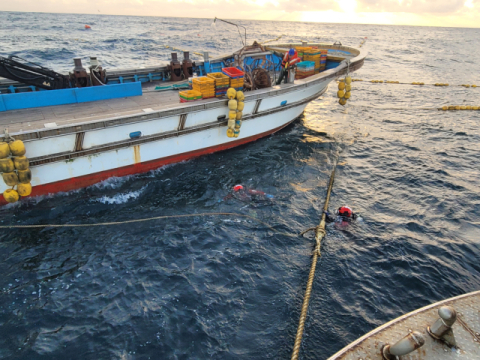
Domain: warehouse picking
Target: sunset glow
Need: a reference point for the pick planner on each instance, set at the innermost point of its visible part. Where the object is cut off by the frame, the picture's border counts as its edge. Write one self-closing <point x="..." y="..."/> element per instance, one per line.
<point x="457" y="13"/>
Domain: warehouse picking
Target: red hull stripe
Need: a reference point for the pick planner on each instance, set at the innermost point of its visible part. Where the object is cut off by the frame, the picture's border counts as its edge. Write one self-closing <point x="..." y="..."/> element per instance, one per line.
<point x="87" y="180"/>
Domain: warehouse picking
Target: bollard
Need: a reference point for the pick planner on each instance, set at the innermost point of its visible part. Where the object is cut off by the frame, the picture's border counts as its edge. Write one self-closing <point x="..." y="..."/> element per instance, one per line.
<point x="405" y="346"/>
<point x="448" y="316"/>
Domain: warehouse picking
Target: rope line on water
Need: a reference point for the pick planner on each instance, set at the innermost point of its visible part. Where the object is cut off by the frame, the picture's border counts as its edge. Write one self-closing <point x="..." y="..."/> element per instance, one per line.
<point x="143" y="220"/>
<point x="473" y="86"/>
<point x="443" y="108"/>
<point x="319" y="235"/>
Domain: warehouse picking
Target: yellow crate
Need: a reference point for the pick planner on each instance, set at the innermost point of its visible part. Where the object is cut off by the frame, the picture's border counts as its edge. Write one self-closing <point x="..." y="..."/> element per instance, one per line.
<point x="219" y="78"/>
<point x="190" y="94"/>
<point x="302" y="48"/>
<point x="203" y="87"/>
<point x="203" y="81"/>
<point x="236" y="82"/>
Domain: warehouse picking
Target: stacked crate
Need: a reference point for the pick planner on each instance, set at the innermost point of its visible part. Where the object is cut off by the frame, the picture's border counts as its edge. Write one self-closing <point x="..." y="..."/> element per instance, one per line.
<point x="205" y="86"/>
<point x="301" y="50"/>
<point x="315" y="56"/>
<point x="236" y="77"/>
<point x="305" y="69"/>
<point x="323" y="59"/>
<point x="189" y="95"/>
<point x="222" y="83"/>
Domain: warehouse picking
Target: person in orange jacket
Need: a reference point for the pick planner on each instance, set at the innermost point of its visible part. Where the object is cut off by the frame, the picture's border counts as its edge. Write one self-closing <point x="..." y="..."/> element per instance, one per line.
<point x="289" y="60"/>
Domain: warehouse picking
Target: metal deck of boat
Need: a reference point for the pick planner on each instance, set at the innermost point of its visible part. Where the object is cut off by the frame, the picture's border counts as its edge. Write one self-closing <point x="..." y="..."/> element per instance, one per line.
<point x="36" y="118"/>
<point x="466" y="331"/>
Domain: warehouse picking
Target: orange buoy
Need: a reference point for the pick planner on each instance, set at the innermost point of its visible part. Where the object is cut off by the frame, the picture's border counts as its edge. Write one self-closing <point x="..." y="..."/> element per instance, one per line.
<point x="87" y="27"/>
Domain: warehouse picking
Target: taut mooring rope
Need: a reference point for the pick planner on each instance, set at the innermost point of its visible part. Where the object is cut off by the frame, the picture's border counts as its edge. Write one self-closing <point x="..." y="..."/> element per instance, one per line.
<point x="145" y="219"/>
<point x="319" y="235"/>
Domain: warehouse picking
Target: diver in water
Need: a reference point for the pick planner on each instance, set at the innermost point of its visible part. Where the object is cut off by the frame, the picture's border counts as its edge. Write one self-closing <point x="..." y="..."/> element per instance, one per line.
<point x="243" y="194"/>
<point x="343" y="216"/>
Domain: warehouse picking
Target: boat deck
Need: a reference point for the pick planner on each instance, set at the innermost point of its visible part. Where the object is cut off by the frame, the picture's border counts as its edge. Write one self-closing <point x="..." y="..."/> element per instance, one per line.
<point x="464" y="335"/>
<point x="59" y="115"/>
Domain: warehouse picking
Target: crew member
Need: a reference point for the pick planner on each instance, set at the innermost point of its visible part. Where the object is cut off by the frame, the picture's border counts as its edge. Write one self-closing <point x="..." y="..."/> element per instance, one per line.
<point x="289" y="60"/>
<point x="247" y="195"/>
<point x="344" y="216"/>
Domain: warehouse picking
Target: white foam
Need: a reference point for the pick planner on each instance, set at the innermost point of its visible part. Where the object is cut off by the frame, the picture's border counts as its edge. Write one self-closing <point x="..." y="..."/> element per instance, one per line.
<point x="120" y="198"/>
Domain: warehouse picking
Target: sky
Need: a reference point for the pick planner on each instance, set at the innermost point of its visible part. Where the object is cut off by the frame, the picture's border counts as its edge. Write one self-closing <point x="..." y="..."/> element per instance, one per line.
<point x="457" y="13"/>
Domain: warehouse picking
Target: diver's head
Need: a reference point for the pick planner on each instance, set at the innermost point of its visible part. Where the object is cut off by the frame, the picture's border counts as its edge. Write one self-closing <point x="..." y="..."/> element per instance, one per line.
<point x="345" y="211"/>
<point x="237" y="188"/>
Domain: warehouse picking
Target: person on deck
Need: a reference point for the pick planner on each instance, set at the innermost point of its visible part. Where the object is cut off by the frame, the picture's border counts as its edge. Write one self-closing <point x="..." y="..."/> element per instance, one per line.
<point x="344" y="216"/>
<point x="289" y="60"/>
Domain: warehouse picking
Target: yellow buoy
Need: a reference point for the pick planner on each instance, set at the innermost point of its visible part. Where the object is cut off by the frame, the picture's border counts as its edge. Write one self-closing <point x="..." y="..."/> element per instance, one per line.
<point x="20" y="162"/>
<point x="238" y="124"/>
<point x="230" y="133"/>
<point x="474" y="86"/>
<point x="231" y="92"/>
<point x="463" y="107"/>
<point x="348" y="80"/>
<point x="4" y="150"/>
<point x="342" y="101"/>
<point x="232" y="104"/>
<point x="348" y="88"/>
<point x="451" y="107"/>
<point x="10" y="195"/>
<point x="457" y="107"/>
<point x="340" y="93"/>
<point x="24" y="176"/>
<point x="232" y="114"/>
<point x="17" y="148"/>
<point x="474" y="107"/>
<point x="6" y="165"/>
<point x="341" y="86"/>
<point x="239" y="115"/>
<point x="240" y="105"/>
<point x="444" y="108"/>
<point x="24" y="189"/>
<point x="347" y="95"/>
<point x="231" y="123"/>
<point x="468" y="107"/>
<point x="445" y="84"/>
<point x="240" y="96"/>
<point x="11" y="178"/>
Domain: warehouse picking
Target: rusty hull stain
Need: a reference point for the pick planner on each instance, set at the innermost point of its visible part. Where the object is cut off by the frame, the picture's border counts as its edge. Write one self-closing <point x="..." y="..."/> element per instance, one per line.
<point x="136" y="154"/>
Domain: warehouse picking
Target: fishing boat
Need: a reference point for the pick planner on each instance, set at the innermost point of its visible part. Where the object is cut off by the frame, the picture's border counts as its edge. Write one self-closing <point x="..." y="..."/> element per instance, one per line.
<point x="449" y="329"/>
<point x="133" y="121"/>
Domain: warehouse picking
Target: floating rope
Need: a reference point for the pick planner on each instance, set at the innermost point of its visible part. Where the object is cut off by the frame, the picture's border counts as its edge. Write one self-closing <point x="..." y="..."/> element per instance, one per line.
<point x="143" y="220"/>
<point x="473" y="86"/>
<point x="319" y="235"/>
<point x="444" y="108"/>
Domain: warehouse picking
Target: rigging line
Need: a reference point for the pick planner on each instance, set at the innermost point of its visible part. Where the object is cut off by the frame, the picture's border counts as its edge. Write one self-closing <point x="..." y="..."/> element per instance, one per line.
<point x="319" y="235"/>
<point x="146" y="219"/>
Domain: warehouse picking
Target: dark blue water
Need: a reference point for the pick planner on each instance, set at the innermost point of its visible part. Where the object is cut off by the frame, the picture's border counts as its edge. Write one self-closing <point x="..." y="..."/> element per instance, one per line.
<point x="228" y="287"/>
